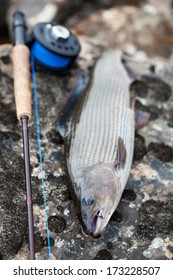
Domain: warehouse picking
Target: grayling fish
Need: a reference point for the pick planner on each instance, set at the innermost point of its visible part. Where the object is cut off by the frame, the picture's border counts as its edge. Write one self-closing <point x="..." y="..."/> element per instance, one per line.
<point x="99" y="142"/>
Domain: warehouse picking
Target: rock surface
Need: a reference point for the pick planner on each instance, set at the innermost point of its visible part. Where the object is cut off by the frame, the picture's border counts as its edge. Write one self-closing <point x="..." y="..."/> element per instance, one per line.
<point x="141" y="227"/>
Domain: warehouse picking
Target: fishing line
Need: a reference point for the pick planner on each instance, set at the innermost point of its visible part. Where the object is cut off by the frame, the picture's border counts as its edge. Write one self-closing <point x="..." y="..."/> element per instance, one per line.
<point x="53" y="47"/>
<point x="40" y="151"/>
<point x="52" y="61"/>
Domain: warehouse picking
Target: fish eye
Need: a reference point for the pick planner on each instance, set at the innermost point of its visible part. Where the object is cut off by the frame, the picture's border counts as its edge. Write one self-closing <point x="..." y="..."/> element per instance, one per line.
<point x="88" y="201"/>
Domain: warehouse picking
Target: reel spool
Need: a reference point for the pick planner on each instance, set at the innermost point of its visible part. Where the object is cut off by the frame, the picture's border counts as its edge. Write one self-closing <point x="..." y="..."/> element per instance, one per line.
<point x="54" y="46"/>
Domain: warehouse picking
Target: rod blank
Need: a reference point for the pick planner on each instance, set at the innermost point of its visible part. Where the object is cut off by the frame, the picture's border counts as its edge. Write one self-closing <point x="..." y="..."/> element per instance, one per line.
<point x="24" y="120"/>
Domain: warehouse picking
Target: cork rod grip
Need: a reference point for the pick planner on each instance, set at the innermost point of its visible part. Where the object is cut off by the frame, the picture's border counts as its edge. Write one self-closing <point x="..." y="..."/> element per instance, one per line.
<point x="22" y="83"/>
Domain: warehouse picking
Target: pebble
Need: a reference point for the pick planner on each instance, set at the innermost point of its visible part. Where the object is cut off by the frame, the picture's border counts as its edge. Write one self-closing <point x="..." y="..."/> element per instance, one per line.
<point x="156" y="243"/>
<point x="59" y="242"/>
<point x="103" y="254"/>
<point x="66" y="212"/>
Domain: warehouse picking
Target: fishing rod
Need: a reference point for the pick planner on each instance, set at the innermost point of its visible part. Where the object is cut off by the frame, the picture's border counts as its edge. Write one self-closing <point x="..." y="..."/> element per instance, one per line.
<point x="54" y="48"/>
<point x="22" y="91"/>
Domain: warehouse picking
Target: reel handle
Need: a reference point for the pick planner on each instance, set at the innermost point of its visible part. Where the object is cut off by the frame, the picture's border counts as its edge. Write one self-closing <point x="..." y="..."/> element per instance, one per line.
<point x="21" y="68"/>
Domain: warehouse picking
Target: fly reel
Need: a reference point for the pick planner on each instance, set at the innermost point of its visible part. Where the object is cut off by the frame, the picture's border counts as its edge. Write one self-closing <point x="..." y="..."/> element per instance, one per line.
<point x="53" y="46"/>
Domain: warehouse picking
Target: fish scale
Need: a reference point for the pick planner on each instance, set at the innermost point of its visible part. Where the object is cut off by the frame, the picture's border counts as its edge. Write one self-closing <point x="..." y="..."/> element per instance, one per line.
<point x="103" y="118"/>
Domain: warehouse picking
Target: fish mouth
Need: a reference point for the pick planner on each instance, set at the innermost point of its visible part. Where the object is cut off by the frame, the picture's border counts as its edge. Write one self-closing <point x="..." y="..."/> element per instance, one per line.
<point x="97" y="223"/>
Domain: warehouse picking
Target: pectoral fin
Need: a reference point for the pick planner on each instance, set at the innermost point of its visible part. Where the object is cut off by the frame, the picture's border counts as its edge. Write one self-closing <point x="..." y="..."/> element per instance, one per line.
<point x="76" y="94"/>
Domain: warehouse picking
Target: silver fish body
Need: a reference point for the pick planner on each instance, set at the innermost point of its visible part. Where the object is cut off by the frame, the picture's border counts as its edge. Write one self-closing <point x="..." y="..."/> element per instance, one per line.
<point x="99" y="142"/>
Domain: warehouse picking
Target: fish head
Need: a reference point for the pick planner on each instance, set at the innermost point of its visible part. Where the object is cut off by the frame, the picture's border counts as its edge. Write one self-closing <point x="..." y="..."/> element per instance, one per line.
<point x="100" y="195"/>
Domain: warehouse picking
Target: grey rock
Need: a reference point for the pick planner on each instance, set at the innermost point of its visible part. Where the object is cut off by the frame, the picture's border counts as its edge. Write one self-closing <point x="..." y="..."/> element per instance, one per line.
<point x="13" y="222"/>
<point x="143" y="216"/>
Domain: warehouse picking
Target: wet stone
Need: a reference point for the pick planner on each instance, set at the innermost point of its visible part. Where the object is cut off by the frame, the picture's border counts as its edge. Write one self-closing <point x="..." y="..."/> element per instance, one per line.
<point x="70" y="255"/>
<point x="103" y="254"/>
<point x="57" y="224"/>
<point x="13" y="205"/>
<point x="161" y="151"/>
<point x="154" y="111"/>
<point x="170" y="248"/>
<point x="37" y="195"/>
<point x="112" y="231"/>
<point x="110" y="245"/>
<point x="39" y="242"/>
<point x="6" y="60"/>
<point x="54" y="137"/>
<point x="139" y="88"/>
<point x="155" y="219"/>
<point x="35" y="229"/>
<point x="57" y="156"/>
<point x="36" y="219"/>
<point x="164" y="172"/>
<point x="170" y="123"/>
<point x="59" y="208"/>
<point x="117" y="217"/>
<point x="158" y="90"/>
<point x="151" y="87"/>
<point x="168" y="113"/>
<point x="65" y="196"/>
<point x="51" y="242"/>
<point x="38" y="158"/>
<point x="129" y="195"/>
<point x="44" y="254"/>
<point x="60" y="181"/>
<point x="139" y="106"/>
<point x="4" y="135"/>
<point x="140" y="149"/>
<point x="84" y="231"/>
<point x="8" y="115"/>
<point x="14" y="228"/>
<point x="152" y="68"/>
<point x="82" y="245"/>
<point x="43" y="232"/>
